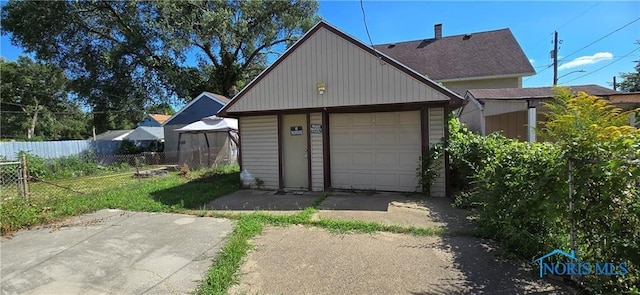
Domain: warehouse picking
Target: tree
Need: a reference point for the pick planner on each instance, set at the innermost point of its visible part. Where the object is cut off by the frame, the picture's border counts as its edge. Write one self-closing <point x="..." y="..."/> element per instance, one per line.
<point x="233" y="38"/>
<point x="125" y="55"/>
<point x="630" y="81"/>
<point x="35" y="101"/>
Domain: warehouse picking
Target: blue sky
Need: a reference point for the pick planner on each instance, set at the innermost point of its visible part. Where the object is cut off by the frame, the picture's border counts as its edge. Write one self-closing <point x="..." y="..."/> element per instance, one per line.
<point x="578" y="23"/>
<point x="532" y="23"/>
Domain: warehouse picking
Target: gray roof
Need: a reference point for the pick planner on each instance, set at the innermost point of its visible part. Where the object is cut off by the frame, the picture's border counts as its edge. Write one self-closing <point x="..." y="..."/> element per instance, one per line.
<point x="536" y="92"/>
<point x="483" y="54"/>
<point x="146" y="133"/>
<point x="112" y="134"/>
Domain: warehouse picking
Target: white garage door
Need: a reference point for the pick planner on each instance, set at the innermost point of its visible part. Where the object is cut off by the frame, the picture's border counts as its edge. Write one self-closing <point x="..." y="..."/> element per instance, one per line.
<point x="375" y="150"/>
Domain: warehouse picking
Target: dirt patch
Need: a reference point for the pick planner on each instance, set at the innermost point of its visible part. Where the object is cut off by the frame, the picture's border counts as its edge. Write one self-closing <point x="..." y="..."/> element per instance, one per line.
<point x="301" y="260"/>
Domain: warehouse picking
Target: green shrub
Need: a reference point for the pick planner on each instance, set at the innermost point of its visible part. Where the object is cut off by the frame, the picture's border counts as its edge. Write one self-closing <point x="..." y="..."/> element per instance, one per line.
<point x="429" y="167"/>
<point x="36" y="166"/>
<point x="521" y="190"/>
<point x="64" y="167"/>
<point x="127" y="148"/>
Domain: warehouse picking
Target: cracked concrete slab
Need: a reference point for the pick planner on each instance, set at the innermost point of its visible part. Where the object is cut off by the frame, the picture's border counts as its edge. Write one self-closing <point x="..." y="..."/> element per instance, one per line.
<point x="302" y="260"/>
<point x="112" y="252"/>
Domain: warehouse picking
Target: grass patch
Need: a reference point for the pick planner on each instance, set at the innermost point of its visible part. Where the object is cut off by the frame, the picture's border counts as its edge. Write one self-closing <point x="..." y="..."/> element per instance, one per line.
<point x="171" y="193"/>
<point x="321" y="199"/>
<point x="332" y="225"/>
<point x="223" y="272"/>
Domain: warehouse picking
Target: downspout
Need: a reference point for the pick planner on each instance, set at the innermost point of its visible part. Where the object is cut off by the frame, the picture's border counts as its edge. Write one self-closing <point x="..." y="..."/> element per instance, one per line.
<point x="531" y="120"/>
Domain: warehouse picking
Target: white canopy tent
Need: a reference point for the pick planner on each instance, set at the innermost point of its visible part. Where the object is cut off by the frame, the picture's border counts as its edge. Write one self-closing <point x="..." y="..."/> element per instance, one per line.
<point x="220" y="142"/>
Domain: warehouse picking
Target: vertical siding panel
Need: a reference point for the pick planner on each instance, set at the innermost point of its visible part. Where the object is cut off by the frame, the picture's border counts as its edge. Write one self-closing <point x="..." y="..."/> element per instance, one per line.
<point x="352" y="75"/>
<point x="436" y="133"/>
<point x="317" y="173"/>
<point x="260" y="148"/>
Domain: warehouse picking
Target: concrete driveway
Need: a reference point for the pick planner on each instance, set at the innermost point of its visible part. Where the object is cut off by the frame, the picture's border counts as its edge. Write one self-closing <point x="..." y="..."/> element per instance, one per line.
<point x="308" y="260"/>
<point x="301" y="260"/>
<point x="112" y="252"/>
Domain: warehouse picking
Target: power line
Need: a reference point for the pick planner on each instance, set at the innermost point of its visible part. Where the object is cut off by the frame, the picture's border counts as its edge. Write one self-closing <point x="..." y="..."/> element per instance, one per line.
<point x="537" y="43"/>
<point x="579" y="15"/>
<point x="617" y="60"/>
<point x="605" y="36"/>
<point x="364" y="18"/>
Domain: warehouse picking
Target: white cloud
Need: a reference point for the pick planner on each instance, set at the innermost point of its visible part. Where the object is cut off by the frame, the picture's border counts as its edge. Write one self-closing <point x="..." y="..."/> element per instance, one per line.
<point x="532" y="61"/>
<point x="586" y="60"/>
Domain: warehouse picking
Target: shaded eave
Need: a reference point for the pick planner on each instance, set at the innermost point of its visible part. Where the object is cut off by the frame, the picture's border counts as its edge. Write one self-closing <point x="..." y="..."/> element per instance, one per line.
<point x="455" y="100"/>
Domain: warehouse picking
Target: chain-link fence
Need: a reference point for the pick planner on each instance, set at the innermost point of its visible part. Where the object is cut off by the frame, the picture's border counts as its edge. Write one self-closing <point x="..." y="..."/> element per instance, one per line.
<point x="12" y="181"/>
<point x="88" y="173"/>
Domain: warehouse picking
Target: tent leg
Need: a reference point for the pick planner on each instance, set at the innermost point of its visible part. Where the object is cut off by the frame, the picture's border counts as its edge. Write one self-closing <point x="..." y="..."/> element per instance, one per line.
<point x="178" y="155"/>
<point x="208" y="150"/>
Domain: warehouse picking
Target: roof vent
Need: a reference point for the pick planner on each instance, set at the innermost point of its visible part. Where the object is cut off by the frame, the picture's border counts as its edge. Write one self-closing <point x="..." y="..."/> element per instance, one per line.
<point x="391" y="46"/>
<point x="466" y="37"/>
<point x="437" y="29"/>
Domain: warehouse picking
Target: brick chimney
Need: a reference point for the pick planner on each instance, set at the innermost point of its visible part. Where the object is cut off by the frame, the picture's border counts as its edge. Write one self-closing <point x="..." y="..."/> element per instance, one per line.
<point x="437" y="29"/>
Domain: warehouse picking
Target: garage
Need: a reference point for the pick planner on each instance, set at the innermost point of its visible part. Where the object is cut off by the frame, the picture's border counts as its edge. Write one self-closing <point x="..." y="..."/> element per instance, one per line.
<point x="375" y="151"/>
<point x="333" y="113"/>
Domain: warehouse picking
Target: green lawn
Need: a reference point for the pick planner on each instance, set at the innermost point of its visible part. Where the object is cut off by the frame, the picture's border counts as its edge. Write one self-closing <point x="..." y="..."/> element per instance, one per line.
<point x="171" y="193"/>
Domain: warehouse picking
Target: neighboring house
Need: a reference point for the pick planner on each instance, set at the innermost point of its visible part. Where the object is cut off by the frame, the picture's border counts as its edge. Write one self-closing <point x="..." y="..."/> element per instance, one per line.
<point x="146" y="133"/>
<point x="491" y="59"/>
<point x="107" y="143"/>
<point x="332" y="112"/>
<point x="112" y="135"/>
<point x="516" y="112"/>
<point x="204" y="105"/>
<point x="154" y="120"/>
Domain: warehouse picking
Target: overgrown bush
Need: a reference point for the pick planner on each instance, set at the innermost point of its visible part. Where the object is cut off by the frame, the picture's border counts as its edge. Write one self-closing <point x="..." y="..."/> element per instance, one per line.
<point x="605" y="157"/>
<point x="521" y="190"/>
<point x="127" y="147"/>
<point x="429" y="167"/>
<point x="65" y="167"/>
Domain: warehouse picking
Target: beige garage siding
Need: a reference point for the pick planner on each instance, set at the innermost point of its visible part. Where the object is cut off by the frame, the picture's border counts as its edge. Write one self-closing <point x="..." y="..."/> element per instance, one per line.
<point x="377" y="151"/>
<point x="351" y="75"/>
<point x="513" y="125"/>
<point x="259" y="148"/>
<point x="436" y="134"/>
<point x="317" y="169"/>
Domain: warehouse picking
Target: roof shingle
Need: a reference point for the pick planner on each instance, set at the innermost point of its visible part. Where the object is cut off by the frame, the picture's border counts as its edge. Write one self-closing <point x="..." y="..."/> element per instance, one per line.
<point x="536" y="92"/>
<point x="483" y="54"/>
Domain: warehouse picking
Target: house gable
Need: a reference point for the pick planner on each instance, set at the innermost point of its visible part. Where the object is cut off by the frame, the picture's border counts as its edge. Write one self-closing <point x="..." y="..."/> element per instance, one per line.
<point x="353" y="74"/>
<point x="204" y="105"/>
<point x="481" y="55"/>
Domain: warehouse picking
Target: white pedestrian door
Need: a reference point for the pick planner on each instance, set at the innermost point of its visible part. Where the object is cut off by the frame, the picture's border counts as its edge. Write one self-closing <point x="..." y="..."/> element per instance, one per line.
<point x="294" y="151"/>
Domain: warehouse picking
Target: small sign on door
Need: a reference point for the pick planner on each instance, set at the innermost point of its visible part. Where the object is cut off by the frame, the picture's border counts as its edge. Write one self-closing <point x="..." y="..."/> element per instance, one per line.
<point x="316" y="129"/>
<point x="295" y="130"/>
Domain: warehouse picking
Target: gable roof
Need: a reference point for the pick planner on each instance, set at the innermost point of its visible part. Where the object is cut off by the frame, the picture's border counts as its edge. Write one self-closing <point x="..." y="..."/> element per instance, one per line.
<point x="146" y="133"/>
<point x="454" y="99"/>
<point x="483" y="54"/>
<point x="160" y="118"/>
<point x="113" y="134"/>
<point x="221" y="99"/>
<point x="536" y="92"/>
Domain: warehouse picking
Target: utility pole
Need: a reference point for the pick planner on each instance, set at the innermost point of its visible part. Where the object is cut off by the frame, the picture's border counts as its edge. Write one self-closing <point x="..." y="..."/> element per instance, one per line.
<point x="555" y="58"/>
<point x="614" y="83"/>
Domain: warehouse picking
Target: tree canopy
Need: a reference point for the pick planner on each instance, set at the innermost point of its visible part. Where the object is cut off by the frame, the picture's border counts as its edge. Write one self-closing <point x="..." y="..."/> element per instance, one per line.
<point x="122" y="56"/>
<point x="630" y="81"/>
<point x="36" y="102"/>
